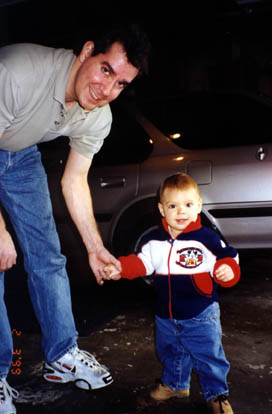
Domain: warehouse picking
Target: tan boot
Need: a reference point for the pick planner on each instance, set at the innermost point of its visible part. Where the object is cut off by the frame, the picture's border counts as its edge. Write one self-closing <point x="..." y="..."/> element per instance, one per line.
<point x="163" y="392"/>
<point x="220" y="405"/>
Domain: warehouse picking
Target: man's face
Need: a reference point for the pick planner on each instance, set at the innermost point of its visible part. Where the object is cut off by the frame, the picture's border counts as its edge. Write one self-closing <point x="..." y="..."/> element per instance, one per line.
<point x="179" y="208"/>
<point x="101" y="78"/>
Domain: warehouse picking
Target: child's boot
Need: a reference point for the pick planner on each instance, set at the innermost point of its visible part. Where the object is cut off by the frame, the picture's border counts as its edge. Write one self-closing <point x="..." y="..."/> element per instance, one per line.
<point x="163" y="392"/>
<point x="220" y="405"/>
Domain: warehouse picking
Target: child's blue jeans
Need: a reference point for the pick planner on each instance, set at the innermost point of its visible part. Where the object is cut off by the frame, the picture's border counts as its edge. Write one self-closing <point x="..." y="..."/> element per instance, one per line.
<point x="183" y="345"/>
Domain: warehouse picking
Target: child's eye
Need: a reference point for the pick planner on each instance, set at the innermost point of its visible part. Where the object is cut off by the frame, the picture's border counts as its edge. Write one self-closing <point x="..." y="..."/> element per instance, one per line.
<point x="172" y="206"/>
<point x="189" y="204"/>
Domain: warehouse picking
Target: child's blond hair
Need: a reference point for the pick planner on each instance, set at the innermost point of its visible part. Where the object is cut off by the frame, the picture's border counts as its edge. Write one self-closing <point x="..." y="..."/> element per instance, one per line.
<point x="180" y="182"/>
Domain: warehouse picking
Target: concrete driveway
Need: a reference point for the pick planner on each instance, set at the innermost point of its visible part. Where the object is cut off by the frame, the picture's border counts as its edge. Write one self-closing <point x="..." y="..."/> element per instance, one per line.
<point x="116" y="323"/>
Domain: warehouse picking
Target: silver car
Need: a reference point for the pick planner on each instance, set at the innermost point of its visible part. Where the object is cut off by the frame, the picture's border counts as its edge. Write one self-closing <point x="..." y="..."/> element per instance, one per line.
<point x="223" y="140"/>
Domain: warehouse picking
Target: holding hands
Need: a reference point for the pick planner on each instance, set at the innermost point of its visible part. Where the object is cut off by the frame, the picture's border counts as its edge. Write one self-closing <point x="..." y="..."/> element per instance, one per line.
<point x="224" y="273"/>
<point x="111" y="272"/>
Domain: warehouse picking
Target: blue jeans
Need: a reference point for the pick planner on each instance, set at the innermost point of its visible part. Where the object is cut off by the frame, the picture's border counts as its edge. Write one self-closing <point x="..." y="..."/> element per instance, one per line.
<point x="183" y="345"/>
<point x="25" y="196"/>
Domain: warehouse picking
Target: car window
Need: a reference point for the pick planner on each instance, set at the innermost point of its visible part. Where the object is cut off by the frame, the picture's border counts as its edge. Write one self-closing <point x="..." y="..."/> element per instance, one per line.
<point x="208" y="120"/>
<point x="127" y="142"/>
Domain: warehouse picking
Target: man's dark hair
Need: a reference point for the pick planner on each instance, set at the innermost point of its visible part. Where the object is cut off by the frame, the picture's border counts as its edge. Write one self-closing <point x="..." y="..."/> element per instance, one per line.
<point x="134" y="41"/>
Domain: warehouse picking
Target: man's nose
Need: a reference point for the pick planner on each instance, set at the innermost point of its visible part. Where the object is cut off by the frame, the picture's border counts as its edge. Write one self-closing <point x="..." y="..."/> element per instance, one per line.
<point x="107" y="88"/>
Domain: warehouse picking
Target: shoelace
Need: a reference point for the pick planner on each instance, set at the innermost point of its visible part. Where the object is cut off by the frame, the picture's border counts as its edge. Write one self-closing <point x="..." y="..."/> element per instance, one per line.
<point x="221" y="399"/>
<point x="87" y="359"/>
<point x="7" y="390"/>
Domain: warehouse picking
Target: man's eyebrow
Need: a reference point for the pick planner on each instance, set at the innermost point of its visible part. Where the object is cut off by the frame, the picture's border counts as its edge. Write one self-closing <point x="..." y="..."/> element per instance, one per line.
<point x="112" y="71"/>
<point x="109" y="67"/>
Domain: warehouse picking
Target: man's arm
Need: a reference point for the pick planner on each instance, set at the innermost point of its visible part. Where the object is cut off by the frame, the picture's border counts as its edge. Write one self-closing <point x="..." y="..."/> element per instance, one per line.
<point x="8" y="253"/>
<point x="78" y="199"/>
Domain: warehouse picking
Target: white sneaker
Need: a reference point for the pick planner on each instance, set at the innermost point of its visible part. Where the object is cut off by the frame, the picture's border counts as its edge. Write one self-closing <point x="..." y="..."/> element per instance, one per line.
<point x="6" y="395"/>
<point x="80" y="367"/>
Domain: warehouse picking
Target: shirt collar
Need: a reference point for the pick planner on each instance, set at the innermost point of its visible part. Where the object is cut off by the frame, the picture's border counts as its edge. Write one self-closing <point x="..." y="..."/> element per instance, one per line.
<point x="62" y="77"/>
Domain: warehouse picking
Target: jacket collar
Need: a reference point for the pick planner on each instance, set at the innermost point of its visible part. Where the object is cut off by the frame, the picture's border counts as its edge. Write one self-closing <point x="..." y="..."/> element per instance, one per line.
<point x="194" y="225"/>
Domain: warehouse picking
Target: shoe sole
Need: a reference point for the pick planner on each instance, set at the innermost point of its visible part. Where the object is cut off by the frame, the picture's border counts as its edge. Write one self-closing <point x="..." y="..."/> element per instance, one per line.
<point x="170" y="396"/>
<point x="84" y="385"/>
<point x="79" y="382"/>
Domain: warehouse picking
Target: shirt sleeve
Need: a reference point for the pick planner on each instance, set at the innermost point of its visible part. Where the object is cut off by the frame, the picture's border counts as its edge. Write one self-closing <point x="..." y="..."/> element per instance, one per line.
<point x="138" y="265"/>
<point x="89" y="137"/>
<point x="8" y="98"/>
<point x="235" y="268"/>
<point x="132" y="266"/>
<point x="226" y="254"/>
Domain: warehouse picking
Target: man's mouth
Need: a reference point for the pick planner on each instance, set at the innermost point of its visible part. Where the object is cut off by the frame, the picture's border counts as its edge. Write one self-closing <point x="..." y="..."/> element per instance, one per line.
<point x="93" y="94"/>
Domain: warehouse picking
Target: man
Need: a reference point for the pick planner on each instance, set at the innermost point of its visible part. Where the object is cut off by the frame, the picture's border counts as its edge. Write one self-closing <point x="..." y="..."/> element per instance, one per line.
<point x="46" y="93"/>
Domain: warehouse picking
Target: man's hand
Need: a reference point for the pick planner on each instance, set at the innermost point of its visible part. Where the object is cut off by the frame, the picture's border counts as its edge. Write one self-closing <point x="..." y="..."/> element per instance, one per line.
<point x="8" y="253"/>
<point x="111" y="273"/>
<point x="98" y="260"/>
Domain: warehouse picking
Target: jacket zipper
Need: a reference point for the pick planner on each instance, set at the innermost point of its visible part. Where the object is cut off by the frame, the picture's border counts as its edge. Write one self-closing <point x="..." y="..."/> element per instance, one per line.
<point x="169" y="280"/>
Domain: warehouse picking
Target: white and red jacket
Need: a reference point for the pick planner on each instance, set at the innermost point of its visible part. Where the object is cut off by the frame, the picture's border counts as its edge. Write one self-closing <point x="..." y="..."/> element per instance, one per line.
<point x="183" y="268"/>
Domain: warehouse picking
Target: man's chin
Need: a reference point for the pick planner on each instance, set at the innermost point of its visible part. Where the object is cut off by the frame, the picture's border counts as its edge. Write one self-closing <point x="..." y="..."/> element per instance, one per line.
<point x="91" y="107"/>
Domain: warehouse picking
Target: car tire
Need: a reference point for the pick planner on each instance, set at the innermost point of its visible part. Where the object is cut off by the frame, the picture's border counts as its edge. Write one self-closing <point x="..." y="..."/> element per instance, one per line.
<point x="129" y="232"/>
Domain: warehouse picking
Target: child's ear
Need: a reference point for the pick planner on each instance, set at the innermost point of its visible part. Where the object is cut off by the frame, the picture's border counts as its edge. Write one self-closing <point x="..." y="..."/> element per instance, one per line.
<point x="161" y="209"/>
<point x="200" y="202"/>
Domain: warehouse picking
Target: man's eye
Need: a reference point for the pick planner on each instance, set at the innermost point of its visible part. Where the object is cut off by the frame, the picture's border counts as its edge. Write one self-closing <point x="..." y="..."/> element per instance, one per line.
<point x="105" y="70"/>
<point x="122" y="85"/>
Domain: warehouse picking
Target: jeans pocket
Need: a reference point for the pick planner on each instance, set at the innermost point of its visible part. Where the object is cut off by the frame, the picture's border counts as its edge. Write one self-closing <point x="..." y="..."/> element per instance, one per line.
<point x="211" y="313"/>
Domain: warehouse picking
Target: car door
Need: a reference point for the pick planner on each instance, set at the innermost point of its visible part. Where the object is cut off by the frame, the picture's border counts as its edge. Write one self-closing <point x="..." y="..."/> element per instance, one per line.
<point x="114" y="176"/>
<point x="238" y="195"/>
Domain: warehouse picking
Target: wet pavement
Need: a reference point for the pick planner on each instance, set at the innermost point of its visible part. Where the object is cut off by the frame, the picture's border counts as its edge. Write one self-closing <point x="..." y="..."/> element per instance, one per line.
<point x="116" y="323"/>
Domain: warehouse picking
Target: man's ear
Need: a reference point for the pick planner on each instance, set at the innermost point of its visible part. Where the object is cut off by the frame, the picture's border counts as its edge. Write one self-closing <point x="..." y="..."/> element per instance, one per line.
<point x="161" y="209"/>
<point x="86" y="51"/>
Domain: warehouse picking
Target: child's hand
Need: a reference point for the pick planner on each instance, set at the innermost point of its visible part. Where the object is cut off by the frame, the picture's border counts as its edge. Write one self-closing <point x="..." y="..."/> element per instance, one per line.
<point x="111" y="273"/>
<point x="224" y="273"/>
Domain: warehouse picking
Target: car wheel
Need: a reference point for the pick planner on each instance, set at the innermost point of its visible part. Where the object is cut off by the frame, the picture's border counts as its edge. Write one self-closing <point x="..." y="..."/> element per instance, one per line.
<point x="131" y="229"/>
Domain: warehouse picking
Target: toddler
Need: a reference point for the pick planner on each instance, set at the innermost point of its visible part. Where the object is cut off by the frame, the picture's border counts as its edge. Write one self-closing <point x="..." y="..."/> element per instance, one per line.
<point x="188" y="261"/>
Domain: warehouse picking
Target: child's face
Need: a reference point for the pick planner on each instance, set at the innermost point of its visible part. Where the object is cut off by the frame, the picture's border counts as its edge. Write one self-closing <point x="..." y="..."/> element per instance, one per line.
<point x="180" y="208"/>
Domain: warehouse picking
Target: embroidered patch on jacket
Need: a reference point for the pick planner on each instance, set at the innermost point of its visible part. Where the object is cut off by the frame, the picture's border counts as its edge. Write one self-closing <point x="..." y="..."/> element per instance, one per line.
<point x="190" y="257"/>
